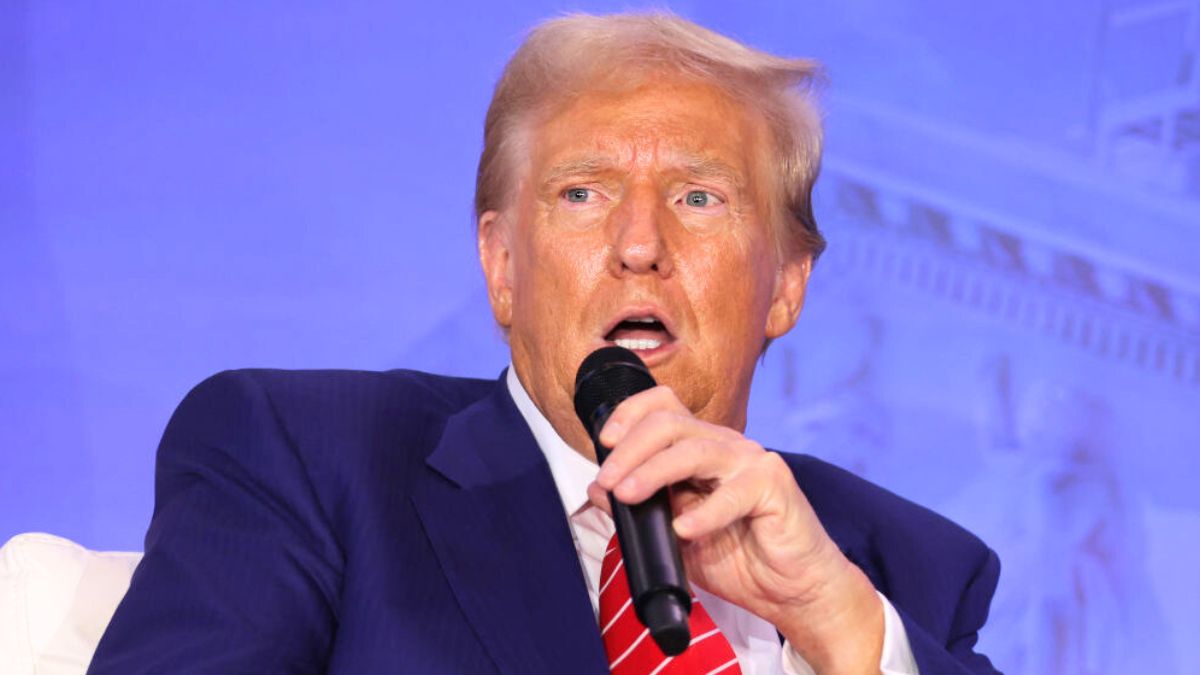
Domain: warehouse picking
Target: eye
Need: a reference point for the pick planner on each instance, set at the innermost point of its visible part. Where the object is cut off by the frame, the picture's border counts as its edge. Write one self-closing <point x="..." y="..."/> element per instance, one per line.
<point x="700" y="198"/>
<point x="577" y="195"/>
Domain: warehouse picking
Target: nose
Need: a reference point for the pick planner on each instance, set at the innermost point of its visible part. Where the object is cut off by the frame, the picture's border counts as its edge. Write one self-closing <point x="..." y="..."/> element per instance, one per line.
<point x="638" y="243"/>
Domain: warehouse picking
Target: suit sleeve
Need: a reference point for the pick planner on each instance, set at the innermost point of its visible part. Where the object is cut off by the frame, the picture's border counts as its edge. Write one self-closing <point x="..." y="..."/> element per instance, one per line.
<point x="241" y="570"/>
<point x="957" y="655"/>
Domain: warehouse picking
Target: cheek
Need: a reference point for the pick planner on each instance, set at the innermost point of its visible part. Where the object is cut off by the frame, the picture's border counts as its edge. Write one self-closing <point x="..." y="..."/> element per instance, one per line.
<point x="556" y="275"/>
<point x="731" y="282"/>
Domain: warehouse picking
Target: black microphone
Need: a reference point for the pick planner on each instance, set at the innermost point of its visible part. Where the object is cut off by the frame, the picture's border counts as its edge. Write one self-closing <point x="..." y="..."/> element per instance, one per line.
<point x="648" y="545"/>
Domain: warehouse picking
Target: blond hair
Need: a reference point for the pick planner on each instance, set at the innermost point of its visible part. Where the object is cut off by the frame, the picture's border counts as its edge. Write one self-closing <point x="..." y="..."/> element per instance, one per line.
<point x="564" y="57"/>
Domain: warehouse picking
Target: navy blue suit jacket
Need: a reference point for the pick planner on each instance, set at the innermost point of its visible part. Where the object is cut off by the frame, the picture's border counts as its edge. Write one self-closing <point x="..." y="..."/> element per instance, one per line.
<point x="355" y="522"/>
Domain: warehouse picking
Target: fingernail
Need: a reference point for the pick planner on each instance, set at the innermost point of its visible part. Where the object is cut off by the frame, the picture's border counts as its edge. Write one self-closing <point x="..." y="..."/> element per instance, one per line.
<point x="605" y="475"/>
<point x="683" y="525"/>
<point x="626" y="487"/>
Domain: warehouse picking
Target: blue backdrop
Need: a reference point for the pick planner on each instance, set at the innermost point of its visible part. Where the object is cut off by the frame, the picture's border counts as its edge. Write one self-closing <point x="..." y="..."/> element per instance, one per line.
<point x="1006" y="326"/>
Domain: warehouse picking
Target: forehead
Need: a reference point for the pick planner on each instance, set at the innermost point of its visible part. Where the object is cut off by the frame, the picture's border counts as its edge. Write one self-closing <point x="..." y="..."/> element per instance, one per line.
<point x="658" y="125"/>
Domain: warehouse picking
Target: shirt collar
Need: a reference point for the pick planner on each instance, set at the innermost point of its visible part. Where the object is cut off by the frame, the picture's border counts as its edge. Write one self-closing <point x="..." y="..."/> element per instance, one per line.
<point x="572" y="472"/>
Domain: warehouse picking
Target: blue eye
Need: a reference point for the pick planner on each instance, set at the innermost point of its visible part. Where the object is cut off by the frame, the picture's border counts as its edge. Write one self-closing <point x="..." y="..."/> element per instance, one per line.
<point x="577" y="195"/>
<point x="697" y="198"/>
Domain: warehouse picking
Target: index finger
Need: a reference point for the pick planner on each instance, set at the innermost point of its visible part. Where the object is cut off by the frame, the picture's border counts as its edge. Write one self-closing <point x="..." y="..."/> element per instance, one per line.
<point x="633" y="409"/>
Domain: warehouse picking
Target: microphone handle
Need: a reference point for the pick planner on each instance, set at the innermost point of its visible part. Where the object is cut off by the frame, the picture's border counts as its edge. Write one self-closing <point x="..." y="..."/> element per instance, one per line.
<point x="657" y="582"/>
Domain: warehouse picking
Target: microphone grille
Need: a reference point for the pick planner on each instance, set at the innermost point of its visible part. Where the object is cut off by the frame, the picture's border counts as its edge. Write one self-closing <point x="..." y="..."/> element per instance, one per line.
<point x="608" y="375"/>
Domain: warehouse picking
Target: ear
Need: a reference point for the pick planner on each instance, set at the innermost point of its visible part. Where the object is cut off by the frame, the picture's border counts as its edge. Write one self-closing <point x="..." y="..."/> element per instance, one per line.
<point x="495" y="256"/>
<point x="791" y="282"/>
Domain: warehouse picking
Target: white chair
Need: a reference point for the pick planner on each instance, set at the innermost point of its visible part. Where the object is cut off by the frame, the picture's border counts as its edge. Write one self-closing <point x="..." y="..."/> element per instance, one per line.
<point x="56" y="598"/>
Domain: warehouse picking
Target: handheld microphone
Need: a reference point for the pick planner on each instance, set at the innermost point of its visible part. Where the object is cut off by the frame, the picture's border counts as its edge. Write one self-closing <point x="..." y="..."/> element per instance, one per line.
<point x="654" y="567"/>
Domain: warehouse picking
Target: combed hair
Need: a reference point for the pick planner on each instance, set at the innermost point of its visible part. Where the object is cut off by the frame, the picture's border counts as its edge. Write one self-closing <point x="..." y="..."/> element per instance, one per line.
<point x="565" y="57"/>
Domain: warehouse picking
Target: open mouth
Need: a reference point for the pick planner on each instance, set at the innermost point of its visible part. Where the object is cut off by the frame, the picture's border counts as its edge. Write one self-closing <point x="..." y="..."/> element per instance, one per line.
<point x="642" y="334"/>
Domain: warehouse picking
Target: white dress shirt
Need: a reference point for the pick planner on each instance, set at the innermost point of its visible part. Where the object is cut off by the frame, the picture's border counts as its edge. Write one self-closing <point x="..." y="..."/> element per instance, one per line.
<point x="754" y="641"/>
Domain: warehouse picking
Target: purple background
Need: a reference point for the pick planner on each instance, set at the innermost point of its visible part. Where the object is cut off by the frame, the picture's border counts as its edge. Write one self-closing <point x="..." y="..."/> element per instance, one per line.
<point x="1006" y="326"/>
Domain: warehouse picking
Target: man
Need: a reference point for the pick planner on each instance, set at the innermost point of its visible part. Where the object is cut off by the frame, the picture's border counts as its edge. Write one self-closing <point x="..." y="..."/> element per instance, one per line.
<point x="646" y="183"/>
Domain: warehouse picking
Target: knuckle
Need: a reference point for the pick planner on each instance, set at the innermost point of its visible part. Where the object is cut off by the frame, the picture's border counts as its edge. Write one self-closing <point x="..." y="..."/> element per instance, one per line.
<point x="730" y="499"/>
<point x="667" y="395"/>
<point x="661" y="417"/>
<point x="772" y="463"/>
<point x="708" y="446"/>
<point x="746" y="448"/>
<point x="624" y="409"/>
<point x="768" y="463"/>
<point x="668" y="420"/>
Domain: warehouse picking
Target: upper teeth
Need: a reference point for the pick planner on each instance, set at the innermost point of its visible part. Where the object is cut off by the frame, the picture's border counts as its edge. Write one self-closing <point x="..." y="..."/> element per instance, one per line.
<point x="638" y="344"/>
<point x="642" y="319"/>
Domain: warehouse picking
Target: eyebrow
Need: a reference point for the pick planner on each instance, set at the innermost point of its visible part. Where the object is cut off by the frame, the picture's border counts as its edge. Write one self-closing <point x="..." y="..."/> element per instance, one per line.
<point x="700" y="167"/>
<point x="576" y="167"/>
<point x="708" y="167"/>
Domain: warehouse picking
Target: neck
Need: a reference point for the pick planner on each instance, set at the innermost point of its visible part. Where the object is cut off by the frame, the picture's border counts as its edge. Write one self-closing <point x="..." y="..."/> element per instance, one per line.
<point x="561" y="416"/>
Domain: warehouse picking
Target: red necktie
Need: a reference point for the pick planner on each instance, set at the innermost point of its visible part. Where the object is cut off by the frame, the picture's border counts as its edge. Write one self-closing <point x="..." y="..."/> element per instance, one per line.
<point x="631" y="650"/>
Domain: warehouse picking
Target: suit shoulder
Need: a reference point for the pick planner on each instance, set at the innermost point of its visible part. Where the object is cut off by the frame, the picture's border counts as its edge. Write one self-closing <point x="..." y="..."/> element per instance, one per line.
<point x="939" y="576"/>
<point x="328" y="411"/>
<point x="862" y="515"/>
<point x="332" y="390"/>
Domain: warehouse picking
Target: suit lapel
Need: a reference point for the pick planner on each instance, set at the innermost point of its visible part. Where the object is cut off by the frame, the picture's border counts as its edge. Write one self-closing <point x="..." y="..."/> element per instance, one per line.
<point x="493" y="515"/>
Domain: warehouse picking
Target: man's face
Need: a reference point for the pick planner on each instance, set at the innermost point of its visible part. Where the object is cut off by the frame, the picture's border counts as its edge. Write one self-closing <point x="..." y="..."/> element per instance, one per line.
<point x="641" y="219"/>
